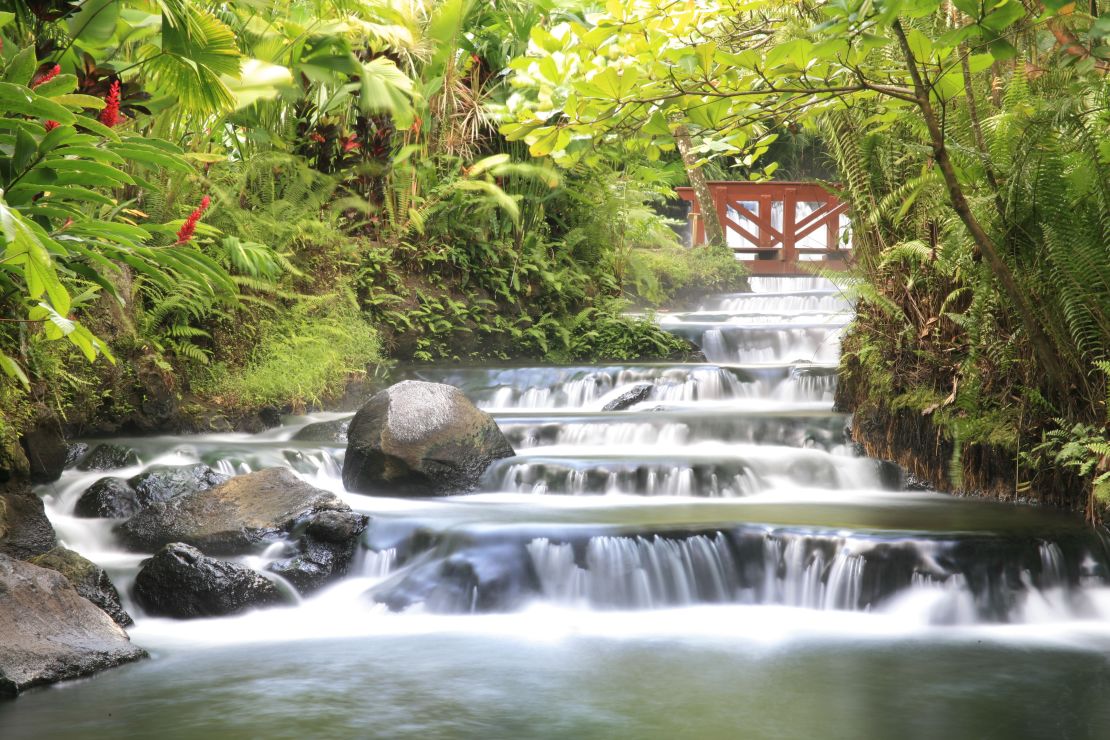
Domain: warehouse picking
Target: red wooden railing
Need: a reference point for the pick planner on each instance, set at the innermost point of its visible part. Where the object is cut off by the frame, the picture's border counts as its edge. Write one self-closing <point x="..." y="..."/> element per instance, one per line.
<point x="774" y="226"/>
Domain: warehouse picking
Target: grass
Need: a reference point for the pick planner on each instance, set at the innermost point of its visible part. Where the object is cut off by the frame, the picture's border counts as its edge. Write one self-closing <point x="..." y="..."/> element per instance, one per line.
<point x="303" y="358"/>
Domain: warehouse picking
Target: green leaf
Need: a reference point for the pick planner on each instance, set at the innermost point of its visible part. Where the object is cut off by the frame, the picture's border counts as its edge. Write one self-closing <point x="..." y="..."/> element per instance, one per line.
<point x="63" y="83"/>
<point x="257" y="80"/>
<point x="26" y="147"/>
<point x="10" y="367"/>
<point x="75" y="100"/>
<point x="20" y="99"/>
<point x="96" y="127"/>
<point x="95" y="21"/>
<point x="22" y="67"/>
<point x="1004" y="15"/>
<point x="95" y="169"/>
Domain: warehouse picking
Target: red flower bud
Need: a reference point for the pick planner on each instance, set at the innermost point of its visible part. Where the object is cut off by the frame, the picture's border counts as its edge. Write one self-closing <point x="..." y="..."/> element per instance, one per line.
<point x="190" y="225"/>
<point x="51" y="125"/>
<point x="110" y="115"/>
<point x="46" y="76"/>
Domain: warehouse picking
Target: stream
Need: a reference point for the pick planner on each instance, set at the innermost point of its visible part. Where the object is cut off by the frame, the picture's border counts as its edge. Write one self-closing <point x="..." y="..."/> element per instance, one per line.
<point x="715" y="561"/>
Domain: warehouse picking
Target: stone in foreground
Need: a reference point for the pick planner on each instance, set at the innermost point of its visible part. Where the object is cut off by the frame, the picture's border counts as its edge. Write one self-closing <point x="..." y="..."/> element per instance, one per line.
<point x="49" y="632"/>
<point x="236" y="517"/>
<point x="420" y="439"/>
<point x="88" y="578"/>
<point x="25" y="531"/>
<point x="182" y="582"/>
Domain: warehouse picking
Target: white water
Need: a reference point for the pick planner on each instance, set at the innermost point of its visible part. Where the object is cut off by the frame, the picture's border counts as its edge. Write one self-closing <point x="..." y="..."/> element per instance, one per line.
<point x="727" y="512"/>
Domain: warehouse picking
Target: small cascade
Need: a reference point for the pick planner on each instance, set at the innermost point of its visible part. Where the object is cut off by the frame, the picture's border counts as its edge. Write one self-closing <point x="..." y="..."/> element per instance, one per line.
<point x="581" y="388"/>
<point x="1003" y="579"/>
<point x="706" y="475"/>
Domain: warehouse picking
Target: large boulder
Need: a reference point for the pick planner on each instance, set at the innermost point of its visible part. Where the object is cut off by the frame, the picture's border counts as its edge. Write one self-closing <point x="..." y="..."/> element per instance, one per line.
<point x="115" y="498"/>
<point x="24" y="529"/>
<point x="182" y="582"/>
<point x="46" y="450"/>
<point x="109" y="457"/>
<point x="236" y="517"/>
<point x="88" y="578"/>
<point x="420" y="439"/>
<point x="49" y="632"/>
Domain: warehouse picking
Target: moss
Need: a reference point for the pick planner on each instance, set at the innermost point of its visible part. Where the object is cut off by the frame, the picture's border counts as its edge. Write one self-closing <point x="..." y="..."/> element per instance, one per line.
<point x="669" y="273"/>
<point x="302" y="359"/>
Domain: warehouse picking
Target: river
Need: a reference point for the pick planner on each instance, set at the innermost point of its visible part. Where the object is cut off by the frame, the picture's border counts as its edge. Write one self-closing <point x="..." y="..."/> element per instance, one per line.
<point x="715" y="561"/>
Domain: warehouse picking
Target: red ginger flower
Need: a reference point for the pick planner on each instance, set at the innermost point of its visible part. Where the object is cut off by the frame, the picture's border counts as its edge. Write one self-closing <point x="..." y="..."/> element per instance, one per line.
<point x="47" y="76"/>
<point x="51" y="125"/>
<point x="190" y="225"/>
<point x="110" y="115"/>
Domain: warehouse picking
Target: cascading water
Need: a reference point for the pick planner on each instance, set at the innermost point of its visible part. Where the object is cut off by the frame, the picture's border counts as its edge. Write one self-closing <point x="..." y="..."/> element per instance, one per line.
<point x="713" y="561"/>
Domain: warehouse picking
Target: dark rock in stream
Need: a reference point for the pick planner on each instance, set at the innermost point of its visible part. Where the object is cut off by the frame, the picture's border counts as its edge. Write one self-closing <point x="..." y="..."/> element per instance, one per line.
<point x="241" y="515"/>
<point x="325" y="432"/>
<point x="115" y="498"/>
<point x="326" y="549"/>
<point x="49" y="632"/>
<point x="88" y="578"/>
<point x="631" y="397"/>
<point x="420" y="439"/>
<point x="75" y="452"/>
<point x="46" y="450"/>
<point x="25" y="531"/>
<point x="109" y="457"/>
<point x="492" y="578"/>
<point x="111" y="498"/>
<point x="182" y="582"/>
<point x="163" y="482"/>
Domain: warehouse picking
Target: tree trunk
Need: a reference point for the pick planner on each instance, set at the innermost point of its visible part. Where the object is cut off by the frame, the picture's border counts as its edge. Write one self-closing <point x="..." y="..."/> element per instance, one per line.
<point x="714" y="232"/>
<point x="1043" y="348"/>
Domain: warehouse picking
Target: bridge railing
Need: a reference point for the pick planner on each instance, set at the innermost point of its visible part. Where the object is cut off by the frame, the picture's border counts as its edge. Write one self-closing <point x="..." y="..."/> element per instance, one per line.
<point x="773" y="226"/>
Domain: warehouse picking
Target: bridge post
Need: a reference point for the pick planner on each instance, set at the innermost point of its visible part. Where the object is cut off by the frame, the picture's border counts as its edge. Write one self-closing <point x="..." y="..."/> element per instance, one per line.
<point x="789" y="215"/>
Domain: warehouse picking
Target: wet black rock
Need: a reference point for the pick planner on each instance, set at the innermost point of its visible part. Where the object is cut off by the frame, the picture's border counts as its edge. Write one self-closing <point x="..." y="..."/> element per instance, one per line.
<point x="111" y="498"/>
<point x="49" y="632"/>
<point x="324" y="552"/>
<point x="491" y="578"/>
<point x="115" y="498"/>
<point x="25" y="531"/>
<point x="163" y="482"/>
<point x="325" y="432"/>
<point x="75" y="452"/>
<point x="182" y="582"/>
<point x="109" y="457"/>
<point x="420" y="439"/>
<point x="631" y="397"/>
<point x="46" y="450"/>
<point x="236" y="517"/>
<point x="88" y="578"/>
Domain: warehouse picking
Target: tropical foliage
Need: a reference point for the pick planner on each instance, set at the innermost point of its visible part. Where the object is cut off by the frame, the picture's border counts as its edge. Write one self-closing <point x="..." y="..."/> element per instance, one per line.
<point x="207" y="193"/>
<point x="970" y="139"/>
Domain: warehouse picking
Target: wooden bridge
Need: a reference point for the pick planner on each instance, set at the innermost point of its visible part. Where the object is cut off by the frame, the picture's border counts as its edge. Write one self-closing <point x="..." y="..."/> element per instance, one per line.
<point x="775" y="226"/>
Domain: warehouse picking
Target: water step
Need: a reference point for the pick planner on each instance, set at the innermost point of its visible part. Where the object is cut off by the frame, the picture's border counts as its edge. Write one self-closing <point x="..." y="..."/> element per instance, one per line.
<point x="590" y="387"/>
<point x="708" y="469"/>
<point x="994" y="576"/>
<point x="670" y="428"/>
